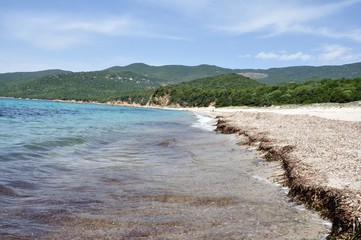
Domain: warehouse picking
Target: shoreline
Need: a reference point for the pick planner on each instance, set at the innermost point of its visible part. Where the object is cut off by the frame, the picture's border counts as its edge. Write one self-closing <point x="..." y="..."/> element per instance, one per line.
<point x="191" y="192"/>
<point x="318" y="146"/>
<point x="109" y="103"/>
<point x="308" y="141"/>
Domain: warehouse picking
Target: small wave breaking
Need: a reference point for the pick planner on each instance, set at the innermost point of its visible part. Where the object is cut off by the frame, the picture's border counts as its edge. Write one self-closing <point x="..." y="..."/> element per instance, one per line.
<point x="204" y="122"/>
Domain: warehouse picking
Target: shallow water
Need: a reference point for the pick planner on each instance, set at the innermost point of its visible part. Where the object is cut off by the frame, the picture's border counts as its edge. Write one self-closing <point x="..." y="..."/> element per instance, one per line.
<point x="71" y="171"/>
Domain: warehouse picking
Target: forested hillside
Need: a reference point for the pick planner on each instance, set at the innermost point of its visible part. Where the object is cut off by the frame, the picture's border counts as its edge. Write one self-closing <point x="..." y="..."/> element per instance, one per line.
<point x="173" y="73"/>
<point x="18" y="77"/>
<point x="101" y="86"/>
<point x="192" y="95"/>
<point x="201" y="92"/>
<point x="274" y="76"/>
<point x="135" y="83"/>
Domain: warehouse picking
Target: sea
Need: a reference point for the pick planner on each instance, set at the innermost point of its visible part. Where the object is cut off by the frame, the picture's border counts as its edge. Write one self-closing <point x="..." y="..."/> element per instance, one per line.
<point x="92" y="171"/>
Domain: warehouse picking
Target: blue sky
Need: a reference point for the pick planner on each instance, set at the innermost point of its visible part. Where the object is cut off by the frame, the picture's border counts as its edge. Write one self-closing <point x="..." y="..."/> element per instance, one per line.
<point x="82" y="35"/>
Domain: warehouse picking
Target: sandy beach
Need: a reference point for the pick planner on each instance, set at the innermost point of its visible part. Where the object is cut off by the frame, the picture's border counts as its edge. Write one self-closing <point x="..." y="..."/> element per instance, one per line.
<point x="319" y="147"/>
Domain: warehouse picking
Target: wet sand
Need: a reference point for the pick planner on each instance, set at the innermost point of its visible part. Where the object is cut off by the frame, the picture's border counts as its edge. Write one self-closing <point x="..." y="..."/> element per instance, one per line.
<point x="319" y="147"/>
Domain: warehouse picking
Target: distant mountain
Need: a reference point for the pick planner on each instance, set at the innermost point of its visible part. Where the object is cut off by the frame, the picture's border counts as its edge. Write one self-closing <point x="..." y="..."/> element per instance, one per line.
<point x="17" y="77"/>
<point x="173" y="74"/>
<point x="136" y="82"/>
<point x="302" y="73"/>
<point x="100" y="86"/>
<point x="179" y="73"/>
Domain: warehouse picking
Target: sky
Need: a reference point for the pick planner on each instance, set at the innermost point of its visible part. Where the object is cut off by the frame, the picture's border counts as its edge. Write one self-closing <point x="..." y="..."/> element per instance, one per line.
<point x="89" y="35"/>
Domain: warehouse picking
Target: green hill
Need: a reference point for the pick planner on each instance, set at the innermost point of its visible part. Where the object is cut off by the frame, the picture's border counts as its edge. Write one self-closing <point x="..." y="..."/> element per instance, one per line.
<point x="202" y="95"/>
<point x="223" y="81"/>
<point x="136" y="82"/>
<point x="201" y="92"/>
<point x="18" y="77"/>
<point x="173" y="73"/>
<point x="101" y="86"/>
<point x="303" y="73"/>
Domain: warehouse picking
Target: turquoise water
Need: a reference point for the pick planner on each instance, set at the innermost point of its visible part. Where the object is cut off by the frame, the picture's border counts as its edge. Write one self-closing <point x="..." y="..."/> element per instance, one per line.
<point x="82" y="171"/>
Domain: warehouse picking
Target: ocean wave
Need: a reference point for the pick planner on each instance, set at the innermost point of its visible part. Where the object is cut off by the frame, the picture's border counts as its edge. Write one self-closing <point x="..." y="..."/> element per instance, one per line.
<point x="39" y="149"/>
<point x="54" y="143"/>
<point x="204" y="122"/>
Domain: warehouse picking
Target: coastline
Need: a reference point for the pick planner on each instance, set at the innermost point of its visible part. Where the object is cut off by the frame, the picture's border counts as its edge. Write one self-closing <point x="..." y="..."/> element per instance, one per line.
<point x="109" y="103"/>
<point x="191" y="193"/>
<point x="319" y="148"/>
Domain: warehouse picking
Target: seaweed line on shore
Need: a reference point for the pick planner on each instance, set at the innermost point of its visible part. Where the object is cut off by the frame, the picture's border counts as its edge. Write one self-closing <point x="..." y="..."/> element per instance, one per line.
<point x="331" y="203"/>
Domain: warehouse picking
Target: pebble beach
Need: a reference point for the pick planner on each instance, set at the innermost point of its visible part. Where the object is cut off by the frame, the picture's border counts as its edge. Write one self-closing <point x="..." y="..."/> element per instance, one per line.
<point x="319" y="147"/>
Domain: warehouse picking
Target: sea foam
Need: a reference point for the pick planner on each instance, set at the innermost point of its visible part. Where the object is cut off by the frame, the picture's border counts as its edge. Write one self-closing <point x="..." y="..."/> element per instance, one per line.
<point x="204" y="122"/>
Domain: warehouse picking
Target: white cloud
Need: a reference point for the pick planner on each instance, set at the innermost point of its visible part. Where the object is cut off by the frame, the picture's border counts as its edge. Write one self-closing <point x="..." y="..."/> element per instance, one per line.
<point x="267" y="17"/>
<point x="113" y="26"/>
<point x="60" y="31"/>
<point x="337" y="53"/>
<point x="284" y="56"/>
<point x="270" y="17"/>
<point x="277" y="17"/>
<point x="326" y="54"/>
<point x="267" y="55"/>
<point x="329" y="33"/>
